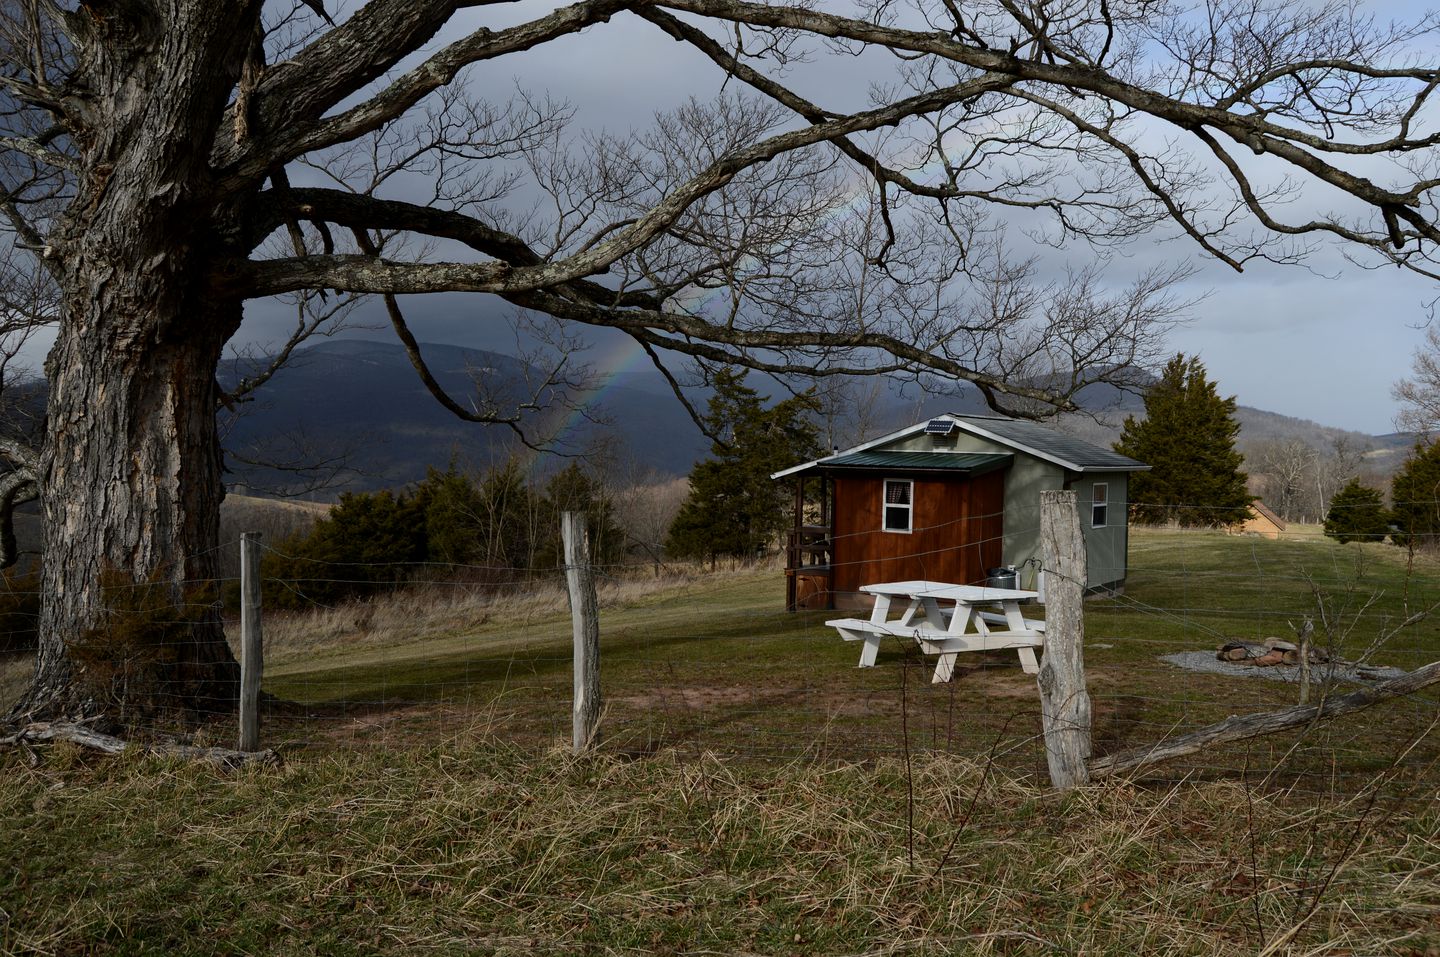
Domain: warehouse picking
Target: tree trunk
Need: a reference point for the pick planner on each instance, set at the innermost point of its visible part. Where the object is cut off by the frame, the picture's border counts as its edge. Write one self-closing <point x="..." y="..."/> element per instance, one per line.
<point x="131" y="481"/>
<point x="131" y="500"/>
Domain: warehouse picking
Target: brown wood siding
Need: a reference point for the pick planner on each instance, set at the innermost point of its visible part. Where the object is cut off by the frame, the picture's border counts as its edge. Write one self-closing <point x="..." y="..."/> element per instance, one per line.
<point x="958" y="527"/>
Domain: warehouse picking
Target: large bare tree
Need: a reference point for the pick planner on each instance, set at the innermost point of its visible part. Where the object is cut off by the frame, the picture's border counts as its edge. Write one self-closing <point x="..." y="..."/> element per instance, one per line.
<point x="1419" y="395"/>
<point x="148" y="150"/>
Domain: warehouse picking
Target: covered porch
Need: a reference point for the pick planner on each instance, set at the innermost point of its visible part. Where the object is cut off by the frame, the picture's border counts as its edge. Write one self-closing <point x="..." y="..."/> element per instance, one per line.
<point x="809" y="546"/>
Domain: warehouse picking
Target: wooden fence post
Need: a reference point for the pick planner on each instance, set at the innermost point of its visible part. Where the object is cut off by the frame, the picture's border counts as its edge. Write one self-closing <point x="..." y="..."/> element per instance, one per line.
<point x="252" y="655"/>
<point x="1064" y="701"/>
<point x="585" y="623"/>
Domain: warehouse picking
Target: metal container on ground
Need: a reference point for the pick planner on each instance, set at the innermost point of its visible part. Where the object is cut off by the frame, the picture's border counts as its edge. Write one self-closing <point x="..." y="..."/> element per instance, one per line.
<point x="1004" y="577"/>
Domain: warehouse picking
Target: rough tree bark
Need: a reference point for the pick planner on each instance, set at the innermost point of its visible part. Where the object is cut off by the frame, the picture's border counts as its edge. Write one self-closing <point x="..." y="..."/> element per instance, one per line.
<point x="130" y="482"/>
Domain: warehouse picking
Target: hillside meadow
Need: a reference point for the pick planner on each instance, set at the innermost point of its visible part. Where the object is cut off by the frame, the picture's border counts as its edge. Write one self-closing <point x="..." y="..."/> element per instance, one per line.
<point x="754" y="792"/>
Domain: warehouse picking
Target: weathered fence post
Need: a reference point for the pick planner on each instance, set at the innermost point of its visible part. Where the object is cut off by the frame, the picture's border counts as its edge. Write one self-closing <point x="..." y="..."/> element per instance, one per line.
<point x="585" y="622"/>
<point x="252" y="655"/>
<point x="1064" y="701"/>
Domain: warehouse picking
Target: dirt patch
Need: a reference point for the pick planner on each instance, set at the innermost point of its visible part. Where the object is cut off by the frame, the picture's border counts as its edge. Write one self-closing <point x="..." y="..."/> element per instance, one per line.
<point x="694" y="698"/>
<point x="325" y="725"/>
<point x="998" y="680"/>
<point x="1014" y="684"/>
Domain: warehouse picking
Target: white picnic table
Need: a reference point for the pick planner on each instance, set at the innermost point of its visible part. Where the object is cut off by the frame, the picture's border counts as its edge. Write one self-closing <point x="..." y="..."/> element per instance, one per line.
<point x="947" y="631"/>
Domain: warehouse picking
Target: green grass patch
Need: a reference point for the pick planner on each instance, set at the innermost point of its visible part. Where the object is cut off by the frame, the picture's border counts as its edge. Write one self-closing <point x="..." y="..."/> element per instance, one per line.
<point x="718" y="665"/>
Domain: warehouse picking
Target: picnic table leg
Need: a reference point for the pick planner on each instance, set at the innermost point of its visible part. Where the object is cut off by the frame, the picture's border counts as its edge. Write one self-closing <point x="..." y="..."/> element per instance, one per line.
<point x="881" y="610"/>
<point x="945" y="664"/>
<point x="1028" y="662"/>
<point x="871" y="649"/>
<point x="1016" y="622"/>
<point x="878" y="615"/>
<point x="908" y="619"/>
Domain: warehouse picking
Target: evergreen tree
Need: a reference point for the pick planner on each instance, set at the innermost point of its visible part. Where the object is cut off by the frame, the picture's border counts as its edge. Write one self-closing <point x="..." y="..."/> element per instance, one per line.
<point x="572" y="489"/>
<point x="734" y="507"/>
<point x="453" y="513"/>
<point x="1415" y="494"/>
<point x="1188" y="439"/>
<point x="1357" y="514"/>
<point x="369" y="541"/>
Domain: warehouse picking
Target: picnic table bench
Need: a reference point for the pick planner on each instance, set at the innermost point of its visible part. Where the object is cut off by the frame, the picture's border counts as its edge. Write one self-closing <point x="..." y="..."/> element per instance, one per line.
<point x="946" y="631"/>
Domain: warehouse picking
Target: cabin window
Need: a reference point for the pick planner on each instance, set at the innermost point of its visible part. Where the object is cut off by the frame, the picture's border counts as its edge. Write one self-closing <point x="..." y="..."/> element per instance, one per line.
<point x="1098" y="505"/>
<point x="898" y="505"/>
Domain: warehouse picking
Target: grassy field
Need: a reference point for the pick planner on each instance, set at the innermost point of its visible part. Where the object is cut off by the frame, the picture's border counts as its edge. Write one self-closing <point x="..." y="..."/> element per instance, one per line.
<point x="472" y="847"/>
<point x="713" y="663"/>
<point x="754" y="792"/>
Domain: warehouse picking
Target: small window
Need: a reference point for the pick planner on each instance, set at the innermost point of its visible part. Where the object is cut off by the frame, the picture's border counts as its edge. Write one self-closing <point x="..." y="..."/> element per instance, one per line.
<point x="1098" y="505"/>
<point x="898" y="507"/>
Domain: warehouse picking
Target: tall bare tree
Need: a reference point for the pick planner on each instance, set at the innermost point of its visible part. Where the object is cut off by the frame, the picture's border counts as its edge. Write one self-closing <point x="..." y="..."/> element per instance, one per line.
<point x="1343" y="461"/>
<point x="147" y="147"/>
<point x="1289" y="469"/>
<point x="1419" y="395"/>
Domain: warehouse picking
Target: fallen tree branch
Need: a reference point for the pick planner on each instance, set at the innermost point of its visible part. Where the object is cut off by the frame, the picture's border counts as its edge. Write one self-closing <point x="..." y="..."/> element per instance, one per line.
<point x="1236" y="728"/>
<point x="223" y="758"/>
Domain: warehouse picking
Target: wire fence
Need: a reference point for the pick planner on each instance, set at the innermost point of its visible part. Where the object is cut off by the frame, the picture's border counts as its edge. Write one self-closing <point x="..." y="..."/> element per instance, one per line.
<point x="695" y="660"/>
<point x="421" y="707"/>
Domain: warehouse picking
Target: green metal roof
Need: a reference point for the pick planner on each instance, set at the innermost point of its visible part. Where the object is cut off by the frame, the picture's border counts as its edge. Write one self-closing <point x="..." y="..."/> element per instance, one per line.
<point x="1045" y="442"/>
<point x="965" y="463"/>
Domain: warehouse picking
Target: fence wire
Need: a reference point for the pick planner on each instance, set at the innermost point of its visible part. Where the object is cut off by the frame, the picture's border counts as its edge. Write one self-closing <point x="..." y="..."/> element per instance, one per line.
<point x="698" y="660"/>
<point x="704" y="668"/>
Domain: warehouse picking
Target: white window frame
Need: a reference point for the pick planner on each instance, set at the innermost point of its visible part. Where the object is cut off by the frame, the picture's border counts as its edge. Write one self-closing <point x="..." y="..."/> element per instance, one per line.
<point x="885" y="506"/>
<point x="1100" y="507"/>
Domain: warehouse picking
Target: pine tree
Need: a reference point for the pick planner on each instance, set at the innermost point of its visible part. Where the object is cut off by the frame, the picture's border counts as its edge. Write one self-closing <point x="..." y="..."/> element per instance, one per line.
<point x="572" y="489"/>
<point x="452" y="516"/>
<point x="734" y="507"/>
<point x="370" y="541"/>
<point x="1357" y="514"/>
<point x="1188" y="439"/>
<point x="1415" y="494"/>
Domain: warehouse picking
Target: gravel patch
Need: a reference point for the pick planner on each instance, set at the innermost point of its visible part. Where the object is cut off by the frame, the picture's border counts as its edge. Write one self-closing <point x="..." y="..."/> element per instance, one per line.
<point x="1206" y="661"/>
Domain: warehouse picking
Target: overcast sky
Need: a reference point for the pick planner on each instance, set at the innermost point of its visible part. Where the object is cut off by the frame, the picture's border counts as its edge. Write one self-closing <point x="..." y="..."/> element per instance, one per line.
<point x="1322" y="343"/>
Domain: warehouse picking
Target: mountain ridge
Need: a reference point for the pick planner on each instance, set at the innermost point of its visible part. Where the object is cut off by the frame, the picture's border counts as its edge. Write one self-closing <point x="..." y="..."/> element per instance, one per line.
<point x="360" y="406"/>
<point x="360" y="403"/>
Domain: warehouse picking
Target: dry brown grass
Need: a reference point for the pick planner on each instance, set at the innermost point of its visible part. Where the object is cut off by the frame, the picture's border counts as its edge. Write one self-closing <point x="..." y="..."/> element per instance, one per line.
<point x="431" y="612"/>
<point x="470" y="847"/>
<point x="445" y="836"/>
<point x="15" y="671"/>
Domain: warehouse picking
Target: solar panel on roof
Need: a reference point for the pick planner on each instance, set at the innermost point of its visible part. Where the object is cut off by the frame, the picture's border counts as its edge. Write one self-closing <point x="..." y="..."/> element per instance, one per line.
<point x="939" y="427"/>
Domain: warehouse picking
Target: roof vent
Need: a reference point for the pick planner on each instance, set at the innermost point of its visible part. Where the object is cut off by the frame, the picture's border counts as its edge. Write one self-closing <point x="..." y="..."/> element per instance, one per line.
<point x="939" y="427"/>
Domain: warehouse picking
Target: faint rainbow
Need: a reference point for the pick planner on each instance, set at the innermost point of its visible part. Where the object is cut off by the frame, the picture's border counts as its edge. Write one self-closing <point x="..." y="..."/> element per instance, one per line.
<point x="605" y="369"/>
<point x="626" y="355"/>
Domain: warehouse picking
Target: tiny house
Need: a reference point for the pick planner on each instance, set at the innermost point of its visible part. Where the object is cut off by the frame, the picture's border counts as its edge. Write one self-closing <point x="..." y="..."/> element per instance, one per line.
<point x="948" y="500"/>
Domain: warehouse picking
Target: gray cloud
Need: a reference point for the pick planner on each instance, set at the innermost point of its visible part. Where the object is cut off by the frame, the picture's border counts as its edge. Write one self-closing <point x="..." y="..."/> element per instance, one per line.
<point x="1288" y="339"/>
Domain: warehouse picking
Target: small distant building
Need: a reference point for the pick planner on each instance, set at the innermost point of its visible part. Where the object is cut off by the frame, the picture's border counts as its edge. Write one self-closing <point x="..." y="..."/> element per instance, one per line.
<point x="1262" y="522"/>
<point x="948" y="500"/>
